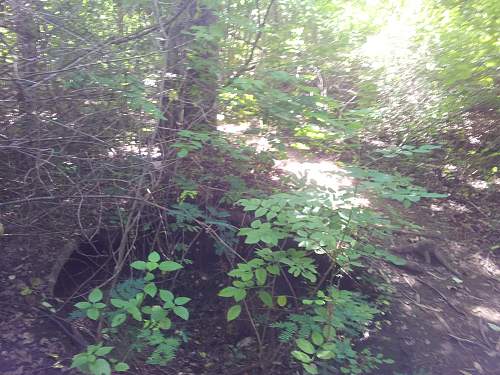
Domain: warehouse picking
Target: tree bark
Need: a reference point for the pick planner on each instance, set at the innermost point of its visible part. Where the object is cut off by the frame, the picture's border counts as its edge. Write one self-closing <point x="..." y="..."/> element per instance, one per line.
<point x="25" y="66"/>
<point x="191" y="82"/>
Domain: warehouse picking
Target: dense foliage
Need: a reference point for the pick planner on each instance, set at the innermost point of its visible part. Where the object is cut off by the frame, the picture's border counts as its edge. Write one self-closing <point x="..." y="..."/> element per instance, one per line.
<point x="113" y="110"/>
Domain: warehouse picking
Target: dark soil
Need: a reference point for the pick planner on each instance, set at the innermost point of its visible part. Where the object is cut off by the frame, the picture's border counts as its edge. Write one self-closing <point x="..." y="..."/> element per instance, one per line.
<point x="30" y="343"/>
<point x="438" y="323"/>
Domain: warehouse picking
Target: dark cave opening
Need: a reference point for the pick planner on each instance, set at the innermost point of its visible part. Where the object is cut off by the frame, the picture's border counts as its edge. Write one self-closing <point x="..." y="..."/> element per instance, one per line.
<point x="89" y="264"/>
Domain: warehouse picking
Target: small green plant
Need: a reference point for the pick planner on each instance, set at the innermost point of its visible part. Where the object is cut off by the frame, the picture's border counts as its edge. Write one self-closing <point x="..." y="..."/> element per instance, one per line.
<point x="395" y="186"/>
<point x="254" y="276"/>
<point x="93" y="361"/>
<point x="189" y="141"/>
<point x="139" y="301"/>
<point x="93" y="306"/>
<point x="323" y="333"/>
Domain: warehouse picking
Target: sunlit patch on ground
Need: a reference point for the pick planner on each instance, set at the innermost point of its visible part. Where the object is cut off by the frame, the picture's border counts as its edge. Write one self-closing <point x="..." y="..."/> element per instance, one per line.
<point x="457" y="207"/>
<point x="487" y="264"/>
<point x="478" y="184"/>
<point x="260" y="143"/>
<point x="486" y="313"/>
<point x="234" y="128"/>
<point x="323" y="173"/>
<point x="134" y="149"/>
<point x="437" y="208"/>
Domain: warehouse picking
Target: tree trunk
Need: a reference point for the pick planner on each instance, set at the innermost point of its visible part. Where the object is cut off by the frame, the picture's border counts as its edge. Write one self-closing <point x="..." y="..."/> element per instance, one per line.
<point x="25" y="66"/>
<point x="191" y="82"/>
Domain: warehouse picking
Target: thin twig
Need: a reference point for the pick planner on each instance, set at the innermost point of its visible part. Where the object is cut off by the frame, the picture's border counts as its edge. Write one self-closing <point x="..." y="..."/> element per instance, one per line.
<point x="442" y="296"/>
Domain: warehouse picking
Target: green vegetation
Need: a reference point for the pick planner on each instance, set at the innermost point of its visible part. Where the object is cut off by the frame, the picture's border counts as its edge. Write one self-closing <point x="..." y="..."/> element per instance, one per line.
<point x="128" y="301"/>
<point x="113" y="111"/>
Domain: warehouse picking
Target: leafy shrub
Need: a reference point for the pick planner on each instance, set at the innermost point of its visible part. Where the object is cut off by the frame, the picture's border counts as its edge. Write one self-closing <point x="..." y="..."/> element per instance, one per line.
<point x="148" y="310"/>
<point x="325" y="224"/>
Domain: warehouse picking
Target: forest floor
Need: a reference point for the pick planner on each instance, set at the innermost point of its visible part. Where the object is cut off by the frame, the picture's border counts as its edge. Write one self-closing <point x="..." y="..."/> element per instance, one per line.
<point x="438" y="323"/>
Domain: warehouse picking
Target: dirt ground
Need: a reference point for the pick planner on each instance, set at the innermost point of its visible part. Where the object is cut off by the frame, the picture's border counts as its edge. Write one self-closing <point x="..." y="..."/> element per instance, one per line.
<point x="440" y="323"/>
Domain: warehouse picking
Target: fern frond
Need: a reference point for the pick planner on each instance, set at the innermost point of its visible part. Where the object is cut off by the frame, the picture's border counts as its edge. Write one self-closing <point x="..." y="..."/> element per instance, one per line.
<point x="288" y="330"/>
<point x="128" y="289"/>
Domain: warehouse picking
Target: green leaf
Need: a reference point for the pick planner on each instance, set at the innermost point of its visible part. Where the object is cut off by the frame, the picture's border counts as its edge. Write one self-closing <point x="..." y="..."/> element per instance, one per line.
<point x="233" y="312"/>
<point x="330" y="346"/>
<point x="138" y="299"/>
<point x="154" y="257"/>
<point x="228" y="292"/>
<point x="138" y="265"/>
<point x="95" y="295"/>
<point x="169" y="266"/>
<point x="92" y="349"/>
<point x="182" y="300"/>
<point x="136" y="314"/>
<point x="150" y="289"/>
<point x="271" y="215"/>
<point x="151" y="266"/>
<point x="398" y="261"/>
<point x="266" y="298"/>
<point x="165" y="323"/>
<point x="328" y="332"/>
<point x="158" y="313"/>
<point x="79" y="360"/>
<point x="239" y="284"/>
<point x="250" y="204"/>
<point x="253" y="263"/>
<point x="317" y="338"/>
<point x="181" y="312"/>
<point x="103" y="350"/>
<point x="246" y="276"/>
<point x="121" y="367"/>
<point x="100" y="367"/>
<point x="281" y="301"/>
<point x="183" y="152"/>
<point x="166" y="295"/>
<point x="240" y="294"/>
<point x="169" y="305"/>
<point x="325" y="354"/>
<point x="305" y="346"/>
<point x="253" y="237"/>
<point x="310" y="368"/>
<point x="243" y="274"/>
<point x="309" y="276"/>
<point x="118" y="320"/>
<point x="120" y="303"/>
<point x="149" y="276"/>
<point x="83" y="305"/>
<point x="273" y="269"/>
<point x="93" y="313"/>
<point x="260" y="212"/>
<point x="301" y="356"/>
<point x="260" y="276"/>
